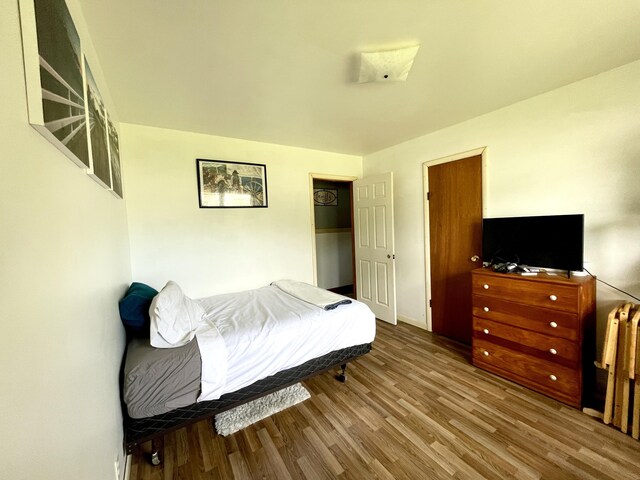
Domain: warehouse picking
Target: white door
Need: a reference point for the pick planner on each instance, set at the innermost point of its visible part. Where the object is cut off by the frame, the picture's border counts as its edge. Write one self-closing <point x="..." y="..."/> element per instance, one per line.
<point x="374" y="248"/>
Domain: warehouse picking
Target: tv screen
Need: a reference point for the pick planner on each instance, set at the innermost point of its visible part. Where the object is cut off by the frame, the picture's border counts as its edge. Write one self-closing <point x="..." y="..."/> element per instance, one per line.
<point x="553" y="241"/>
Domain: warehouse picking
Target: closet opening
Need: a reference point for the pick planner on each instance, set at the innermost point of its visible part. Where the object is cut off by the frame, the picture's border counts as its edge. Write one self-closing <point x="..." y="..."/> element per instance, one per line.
<point x="333" y="234"/>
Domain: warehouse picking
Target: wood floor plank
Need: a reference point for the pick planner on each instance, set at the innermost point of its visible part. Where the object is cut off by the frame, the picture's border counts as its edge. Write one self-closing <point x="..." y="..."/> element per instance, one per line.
<point x="464" y="413"/>
<point x="310" y="473"/>
<point x="605" y="465"/>
<point x="379" y="447"/>
<point x="573" y="469"/>
<point x="320" y="424"/>
<point x="299" y="446"/>
<point x="624" y="455"/>
<point x="465" y="470"/>
<point x="411" y="459"/>
<point x="182" y="447"/>
<point x="498" y="447"/>
<point x="414" y="407"/>
<point x="273" y="455"/>
<point x="353" y="464"/>
<point x="487" y="464"/>
<point x="345" y="440"/>
<point x="239" y="466"/>
<point x="206" y="446"/>
<point x="328" y="458"/>
<point x="380" y="471"/>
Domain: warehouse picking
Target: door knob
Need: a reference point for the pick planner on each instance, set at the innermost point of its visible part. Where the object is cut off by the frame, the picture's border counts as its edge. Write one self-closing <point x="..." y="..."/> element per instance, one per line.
<point x="475" y="258"/>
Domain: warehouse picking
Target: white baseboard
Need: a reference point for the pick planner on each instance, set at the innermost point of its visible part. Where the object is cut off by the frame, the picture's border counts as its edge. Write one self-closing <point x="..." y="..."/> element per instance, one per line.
<point x="411" y="321"/>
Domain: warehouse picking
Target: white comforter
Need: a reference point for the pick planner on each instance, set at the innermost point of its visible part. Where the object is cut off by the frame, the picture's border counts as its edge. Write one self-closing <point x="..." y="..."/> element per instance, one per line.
<point x="250" y="335"/>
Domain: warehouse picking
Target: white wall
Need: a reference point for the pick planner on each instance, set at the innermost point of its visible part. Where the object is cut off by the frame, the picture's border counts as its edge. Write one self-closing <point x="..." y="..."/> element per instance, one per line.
<point x="573" y="150"/>
<point x="209" y="251"/>
<point x="334" y="253"/>
<point x="64" y="262"/>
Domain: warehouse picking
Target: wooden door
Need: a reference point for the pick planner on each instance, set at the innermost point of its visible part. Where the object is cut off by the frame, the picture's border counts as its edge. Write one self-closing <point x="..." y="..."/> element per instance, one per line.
<point x="374" y="245"/>
<point x="455" y="238"/>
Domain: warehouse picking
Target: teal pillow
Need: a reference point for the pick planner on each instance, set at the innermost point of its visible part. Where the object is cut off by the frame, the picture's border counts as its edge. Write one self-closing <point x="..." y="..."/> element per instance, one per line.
<point x="134" y="308"/>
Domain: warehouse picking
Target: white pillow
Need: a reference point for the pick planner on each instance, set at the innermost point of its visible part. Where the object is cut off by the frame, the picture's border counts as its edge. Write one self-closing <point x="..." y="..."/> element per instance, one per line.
<point x="174" y="317"/>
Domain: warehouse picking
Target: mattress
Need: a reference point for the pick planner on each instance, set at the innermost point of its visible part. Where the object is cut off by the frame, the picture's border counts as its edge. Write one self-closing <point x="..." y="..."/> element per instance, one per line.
<point x="158" y="380"/>
<point x="250" y="335"/>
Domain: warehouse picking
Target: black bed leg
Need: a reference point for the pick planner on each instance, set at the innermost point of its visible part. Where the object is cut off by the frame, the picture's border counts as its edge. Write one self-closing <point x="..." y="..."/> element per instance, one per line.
<point x="342" y="376"/>
<point x="157" y="445"/>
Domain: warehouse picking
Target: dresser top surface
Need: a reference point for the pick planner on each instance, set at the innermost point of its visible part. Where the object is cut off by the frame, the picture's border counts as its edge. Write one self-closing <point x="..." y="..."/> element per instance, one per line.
<point x="540" y="277"/>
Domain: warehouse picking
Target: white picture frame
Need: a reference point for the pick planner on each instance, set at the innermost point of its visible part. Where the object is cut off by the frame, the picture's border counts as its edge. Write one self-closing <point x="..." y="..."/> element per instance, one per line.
<point x="63" y="100"/>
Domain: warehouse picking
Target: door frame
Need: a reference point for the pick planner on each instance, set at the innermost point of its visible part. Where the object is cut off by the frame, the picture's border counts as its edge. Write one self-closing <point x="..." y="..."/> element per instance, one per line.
<point x="425" y="206"/>
<point x="332" y="178"/>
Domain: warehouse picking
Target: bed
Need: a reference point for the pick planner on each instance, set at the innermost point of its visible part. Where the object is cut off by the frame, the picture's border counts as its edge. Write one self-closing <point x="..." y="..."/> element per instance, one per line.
<point x="206" y="356"/>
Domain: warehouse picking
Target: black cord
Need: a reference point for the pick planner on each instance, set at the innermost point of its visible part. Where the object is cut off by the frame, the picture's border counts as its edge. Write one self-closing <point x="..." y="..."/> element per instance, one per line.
<point x="609" y="285"/>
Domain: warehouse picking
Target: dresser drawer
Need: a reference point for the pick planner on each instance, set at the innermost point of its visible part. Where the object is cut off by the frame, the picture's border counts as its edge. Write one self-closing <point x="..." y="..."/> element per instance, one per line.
<point x="549" y="348"/>
<point x="524" y="290"/>
<point x="549" y="376"/>
<point x="550" y="322"/>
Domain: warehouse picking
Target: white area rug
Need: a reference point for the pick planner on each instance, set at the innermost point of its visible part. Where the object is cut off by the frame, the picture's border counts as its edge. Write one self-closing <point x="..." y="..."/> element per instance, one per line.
<point x="240" y="417"/>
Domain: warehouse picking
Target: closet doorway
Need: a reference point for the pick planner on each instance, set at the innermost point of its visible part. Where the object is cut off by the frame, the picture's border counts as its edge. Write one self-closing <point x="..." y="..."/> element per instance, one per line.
<point x="332" y="232"/>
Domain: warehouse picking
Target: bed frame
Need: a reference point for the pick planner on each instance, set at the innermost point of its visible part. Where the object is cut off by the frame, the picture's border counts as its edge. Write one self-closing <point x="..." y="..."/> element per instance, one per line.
<point x="141" y="430"/>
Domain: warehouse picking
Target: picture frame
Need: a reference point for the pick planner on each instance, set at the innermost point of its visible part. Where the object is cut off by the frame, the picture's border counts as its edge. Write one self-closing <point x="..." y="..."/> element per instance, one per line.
<point x="226" y="184"/>
<point x="63" y="100"/>
<point x="97" y="131"/>
<point x="54" y="70"/>
<point x="114" y="156"/>
<point x="325" y="197"/>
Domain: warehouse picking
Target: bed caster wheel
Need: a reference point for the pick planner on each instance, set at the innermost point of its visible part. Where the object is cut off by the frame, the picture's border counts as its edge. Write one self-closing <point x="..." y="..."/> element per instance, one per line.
<point x="342" y="376"/>
<point x="157" y="447"/>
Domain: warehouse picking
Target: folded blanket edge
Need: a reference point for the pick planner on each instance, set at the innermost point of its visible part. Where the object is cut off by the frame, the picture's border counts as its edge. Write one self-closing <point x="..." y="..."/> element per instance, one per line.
<point x="322" y="298"/>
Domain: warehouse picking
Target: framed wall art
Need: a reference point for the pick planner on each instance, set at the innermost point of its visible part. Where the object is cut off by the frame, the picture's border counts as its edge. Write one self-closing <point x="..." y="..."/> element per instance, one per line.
<point x="223" y="184"/>
<point x="63" y="100"/>
<point x="54" y="76"/>
<point x="114" y="156"/>
<point x="97" y="132"/>
<point x="325" y="197"/>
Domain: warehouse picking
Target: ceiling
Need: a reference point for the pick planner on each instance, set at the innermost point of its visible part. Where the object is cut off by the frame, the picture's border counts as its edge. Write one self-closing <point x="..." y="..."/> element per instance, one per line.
<point x="285" y="71"/>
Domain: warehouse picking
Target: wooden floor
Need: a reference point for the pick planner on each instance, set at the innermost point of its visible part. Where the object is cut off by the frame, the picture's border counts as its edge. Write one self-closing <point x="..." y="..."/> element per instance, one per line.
<point x="412" y="408"/>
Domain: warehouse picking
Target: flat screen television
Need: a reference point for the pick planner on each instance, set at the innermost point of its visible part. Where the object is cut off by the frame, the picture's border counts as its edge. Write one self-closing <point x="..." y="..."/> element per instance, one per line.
<point x="552" y="241"/>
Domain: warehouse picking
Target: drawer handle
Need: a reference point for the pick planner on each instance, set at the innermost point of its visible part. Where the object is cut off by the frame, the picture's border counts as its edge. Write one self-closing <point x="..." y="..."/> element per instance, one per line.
<point x="553" y="324"/>
<point x="486" y="331"/>
<point x="485" y="353"/>
<point x="485" y="286"/>
<point x="553" y="377"/>
<point x="486" y="309"/>
<point x="553" y="351"/>
<point x="553" y="298"/>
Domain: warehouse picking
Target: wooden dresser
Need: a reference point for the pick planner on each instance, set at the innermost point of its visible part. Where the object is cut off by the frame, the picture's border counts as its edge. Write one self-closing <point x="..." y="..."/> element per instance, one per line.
<point x="538" y="331"/>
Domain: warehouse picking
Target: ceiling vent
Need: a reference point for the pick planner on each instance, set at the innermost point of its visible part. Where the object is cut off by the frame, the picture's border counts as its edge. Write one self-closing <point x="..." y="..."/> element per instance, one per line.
<point x="387" y="66"/>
